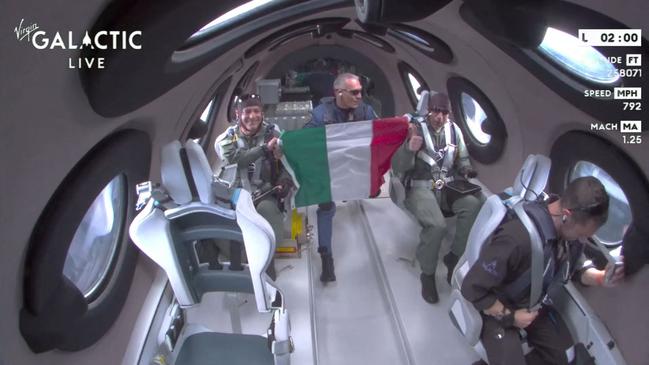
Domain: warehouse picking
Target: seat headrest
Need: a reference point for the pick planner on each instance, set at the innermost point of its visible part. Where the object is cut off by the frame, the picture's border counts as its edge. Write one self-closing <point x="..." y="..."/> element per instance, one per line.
<point x="190" y="180"/>
<point x="422" y="105"/>
<point x="532" y="177"/>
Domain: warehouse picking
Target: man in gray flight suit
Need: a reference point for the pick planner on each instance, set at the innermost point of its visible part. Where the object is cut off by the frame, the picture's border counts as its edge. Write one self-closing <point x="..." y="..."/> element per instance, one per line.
<point x="431" y="158"/>
<point x="251" y="147"/>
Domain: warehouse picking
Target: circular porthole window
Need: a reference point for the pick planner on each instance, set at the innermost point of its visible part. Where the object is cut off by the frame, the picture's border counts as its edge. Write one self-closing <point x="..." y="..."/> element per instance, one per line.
<point x="581" y="60"/>
<point x="475" y="117"/>
<point x="619" y="211"/>
<point x="95" y="241"/>
<point x="484" y="130"/>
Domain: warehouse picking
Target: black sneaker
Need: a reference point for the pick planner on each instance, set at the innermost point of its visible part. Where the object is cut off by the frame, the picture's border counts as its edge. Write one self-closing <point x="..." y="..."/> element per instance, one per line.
<point x="328" y="273"/>
<point x="428" y="289"/>
<point x="450" y="260"/>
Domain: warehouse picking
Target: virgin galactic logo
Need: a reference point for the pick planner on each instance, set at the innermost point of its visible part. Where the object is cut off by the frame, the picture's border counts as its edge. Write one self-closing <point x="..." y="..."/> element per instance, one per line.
<point x="102" y="40"/>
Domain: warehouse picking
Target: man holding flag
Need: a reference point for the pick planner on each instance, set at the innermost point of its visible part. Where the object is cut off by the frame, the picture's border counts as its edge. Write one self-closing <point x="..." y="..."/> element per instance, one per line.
<point x="346" y="106"/>
<point x="333" y="160"/>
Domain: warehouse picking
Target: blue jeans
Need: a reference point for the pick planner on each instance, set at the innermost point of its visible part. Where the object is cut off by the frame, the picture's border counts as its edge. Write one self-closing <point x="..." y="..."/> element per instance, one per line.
<point x="326" y="212"/>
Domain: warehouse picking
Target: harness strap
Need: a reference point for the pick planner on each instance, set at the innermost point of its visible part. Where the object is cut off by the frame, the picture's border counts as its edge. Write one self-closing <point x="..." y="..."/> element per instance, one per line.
<point x="447" y="154"/>
<point x="540" y="273"/>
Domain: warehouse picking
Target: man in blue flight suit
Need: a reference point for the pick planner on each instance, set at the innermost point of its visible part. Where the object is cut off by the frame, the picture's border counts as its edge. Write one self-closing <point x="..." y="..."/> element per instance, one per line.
<point x="498" y="284"/>
<point x="345" y="106"/>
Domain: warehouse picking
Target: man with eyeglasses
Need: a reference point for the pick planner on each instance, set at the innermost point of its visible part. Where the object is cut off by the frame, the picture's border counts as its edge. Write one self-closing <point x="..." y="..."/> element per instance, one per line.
<point x="431" y="160"/>
<point x="346" y="106"/>
<point x="251" y="148"/>
<point x="498" y="283"/>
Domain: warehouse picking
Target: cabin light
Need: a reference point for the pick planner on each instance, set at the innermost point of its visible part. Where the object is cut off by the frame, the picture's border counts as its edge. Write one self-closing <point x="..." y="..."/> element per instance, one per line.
<point x="578" y="58"/>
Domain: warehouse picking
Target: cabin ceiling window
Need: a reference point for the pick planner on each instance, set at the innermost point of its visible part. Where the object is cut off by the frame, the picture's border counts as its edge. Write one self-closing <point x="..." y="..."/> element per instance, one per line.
<point x="619" y="212"/>
<point x="206" y="112"/>
<point x="412" y="37"/>
<point x="415" y="85"/>
<point x="239" y="12"/>
<point x="584" y="61"/>
<point x="94" y="244"/>
<point x="423" y="41"/>
<point x="413" y="82"/>
<point x="201" y="124"/>
<point x="198" y="131"/>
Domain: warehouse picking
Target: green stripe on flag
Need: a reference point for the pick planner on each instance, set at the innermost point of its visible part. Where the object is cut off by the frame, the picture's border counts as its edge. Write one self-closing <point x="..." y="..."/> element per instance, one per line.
<point x="306" y="152"/>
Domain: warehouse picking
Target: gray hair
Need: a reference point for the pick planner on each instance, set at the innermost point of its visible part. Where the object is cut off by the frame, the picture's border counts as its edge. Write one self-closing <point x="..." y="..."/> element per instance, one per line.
<point x="339" y="82"/>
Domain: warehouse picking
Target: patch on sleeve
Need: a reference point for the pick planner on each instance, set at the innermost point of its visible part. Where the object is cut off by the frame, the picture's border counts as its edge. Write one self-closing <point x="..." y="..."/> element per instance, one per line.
<point x="490" y="267"/>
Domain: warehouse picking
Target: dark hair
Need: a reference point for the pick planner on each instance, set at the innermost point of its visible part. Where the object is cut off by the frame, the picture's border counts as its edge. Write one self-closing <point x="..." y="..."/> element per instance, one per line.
<point x="586" y="197"/>
<point x="247" y="100"/>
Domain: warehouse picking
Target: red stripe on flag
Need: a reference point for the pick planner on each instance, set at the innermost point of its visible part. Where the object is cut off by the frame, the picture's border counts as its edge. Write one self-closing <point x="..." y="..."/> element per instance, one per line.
<point x="387" y="135"/>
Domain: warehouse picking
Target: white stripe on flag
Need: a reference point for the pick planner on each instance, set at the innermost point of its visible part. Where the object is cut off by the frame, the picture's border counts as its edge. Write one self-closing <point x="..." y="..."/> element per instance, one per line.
<point x="348" y="149"/>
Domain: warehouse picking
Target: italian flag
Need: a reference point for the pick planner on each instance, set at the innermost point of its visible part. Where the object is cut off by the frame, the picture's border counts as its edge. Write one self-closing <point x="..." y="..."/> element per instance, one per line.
<point x="341" y="161"/>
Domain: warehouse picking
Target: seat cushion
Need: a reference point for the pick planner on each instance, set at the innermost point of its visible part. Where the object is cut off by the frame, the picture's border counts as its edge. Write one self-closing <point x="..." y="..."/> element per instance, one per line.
<point x="211" y="348"/>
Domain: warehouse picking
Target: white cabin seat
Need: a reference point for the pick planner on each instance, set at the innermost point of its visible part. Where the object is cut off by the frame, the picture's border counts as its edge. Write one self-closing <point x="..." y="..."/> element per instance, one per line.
<point x="167" y="233"/>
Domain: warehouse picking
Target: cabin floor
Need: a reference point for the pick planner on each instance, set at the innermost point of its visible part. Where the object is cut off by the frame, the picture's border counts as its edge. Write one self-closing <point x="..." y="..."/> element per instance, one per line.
<point x="372" y="314"/>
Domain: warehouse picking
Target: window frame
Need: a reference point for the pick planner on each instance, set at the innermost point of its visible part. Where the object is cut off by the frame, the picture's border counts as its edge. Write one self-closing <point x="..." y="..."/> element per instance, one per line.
<point x="55" y="314"/>
<point x="574" y="146"/>
<point x="567" y="17"/>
